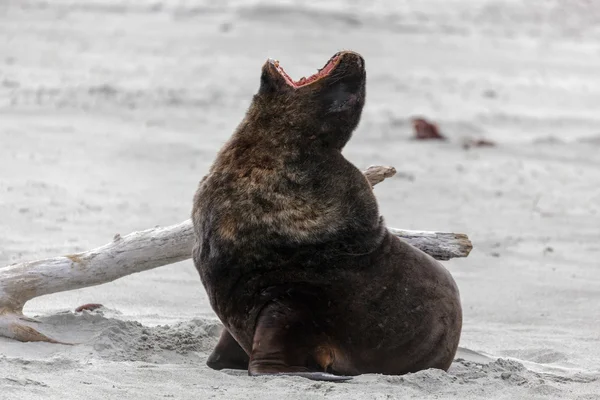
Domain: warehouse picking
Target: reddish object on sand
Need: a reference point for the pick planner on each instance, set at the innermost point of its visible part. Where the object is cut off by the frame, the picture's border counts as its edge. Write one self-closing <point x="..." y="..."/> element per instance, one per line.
<point x="478" y="143"/>
<point x="88" y="307"/>
<point x="424" y="130"/>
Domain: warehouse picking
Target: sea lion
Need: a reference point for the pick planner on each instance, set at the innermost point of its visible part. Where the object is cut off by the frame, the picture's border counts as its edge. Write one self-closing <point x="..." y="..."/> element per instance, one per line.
<point x="293" y="254"/>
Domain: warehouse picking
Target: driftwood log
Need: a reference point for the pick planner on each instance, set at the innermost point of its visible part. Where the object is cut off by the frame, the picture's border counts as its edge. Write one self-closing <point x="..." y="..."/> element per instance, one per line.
<point x="142" y="251"/>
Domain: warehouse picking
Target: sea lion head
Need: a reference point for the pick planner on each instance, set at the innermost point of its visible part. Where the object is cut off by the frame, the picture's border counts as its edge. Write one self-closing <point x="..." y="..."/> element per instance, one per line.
<point x="325" y="107"/>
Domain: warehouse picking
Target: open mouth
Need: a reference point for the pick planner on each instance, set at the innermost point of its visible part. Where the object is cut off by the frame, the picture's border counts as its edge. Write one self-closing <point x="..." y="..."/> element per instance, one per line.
<point x="321" y="73"/>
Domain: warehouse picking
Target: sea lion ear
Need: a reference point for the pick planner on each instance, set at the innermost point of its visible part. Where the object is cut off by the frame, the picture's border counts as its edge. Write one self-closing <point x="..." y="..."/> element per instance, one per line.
<point x="270" y="79"/>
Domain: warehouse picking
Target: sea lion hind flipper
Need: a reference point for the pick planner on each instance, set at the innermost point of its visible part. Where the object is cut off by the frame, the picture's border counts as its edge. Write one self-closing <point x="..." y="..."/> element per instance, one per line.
<point x="312" y="375"/>
<point x="286" y="342"/>
<point x="228" y="354"/>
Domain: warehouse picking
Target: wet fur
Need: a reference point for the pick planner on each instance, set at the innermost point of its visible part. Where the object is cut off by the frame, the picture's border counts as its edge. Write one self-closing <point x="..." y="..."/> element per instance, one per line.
<point x="292" y="251"/>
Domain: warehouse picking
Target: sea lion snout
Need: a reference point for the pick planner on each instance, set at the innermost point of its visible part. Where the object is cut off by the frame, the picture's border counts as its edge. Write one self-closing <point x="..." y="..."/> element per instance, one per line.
<point x="350" y="62"/>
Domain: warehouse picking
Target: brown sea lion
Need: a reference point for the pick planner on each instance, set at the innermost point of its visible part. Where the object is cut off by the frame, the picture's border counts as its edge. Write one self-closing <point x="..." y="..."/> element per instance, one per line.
<point x="292" y="252"/>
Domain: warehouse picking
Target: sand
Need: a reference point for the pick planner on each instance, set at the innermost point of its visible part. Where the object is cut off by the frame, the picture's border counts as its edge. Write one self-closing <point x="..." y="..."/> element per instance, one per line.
<point x="112" y="111"/>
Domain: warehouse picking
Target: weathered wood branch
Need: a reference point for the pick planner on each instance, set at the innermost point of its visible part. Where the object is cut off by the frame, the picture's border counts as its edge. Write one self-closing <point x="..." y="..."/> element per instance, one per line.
<point x="439" y="245"/>
<point x="376" y="174"/>
<point x="142" y="251"/>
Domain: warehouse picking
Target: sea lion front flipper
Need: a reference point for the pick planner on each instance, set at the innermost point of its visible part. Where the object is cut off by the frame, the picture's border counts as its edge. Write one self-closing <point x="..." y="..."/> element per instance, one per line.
<point x="287" y="342"/>
<point x="228" y="354"/>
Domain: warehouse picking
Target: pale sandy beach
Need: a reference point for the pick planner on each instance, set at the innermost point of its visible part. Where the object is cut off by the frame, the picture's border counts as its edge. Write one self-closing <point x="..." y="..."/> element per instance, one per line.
<point x="112" y="111"/>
